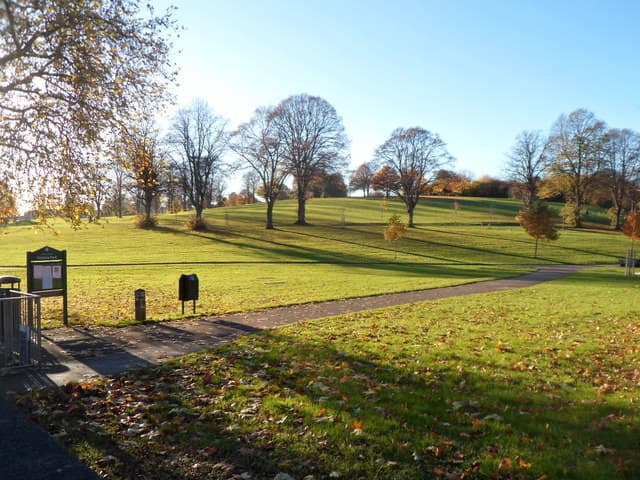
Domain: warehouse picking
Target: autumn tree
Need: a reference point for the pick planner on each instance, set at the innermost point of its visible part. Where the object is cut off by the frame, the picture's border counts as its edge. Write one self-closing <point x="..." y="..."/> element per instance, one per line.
<point x="327" y="184"/>
<point x="385" y="180"/>
<point x="416" y="155"/>
<point x="526" y="164"/>
<point x="313" y="139"/>
<point x="69" y="72"/>
<point x="362" y="179"/>
<point x="259" y="145"/>
<point x="575" y="152"/>
<point x="448" y="182"/>
<point x="620" y="169"/>
<point x="394" y="231"/>
<point x="8" y="204"/>
<point x="234" y="199"/>
<point x="631" y="229"/>
<point x="199" y="139"/>
<point x="146" y="164"/>
<point x="487" y="186"/>
<point x="537" y="220"/>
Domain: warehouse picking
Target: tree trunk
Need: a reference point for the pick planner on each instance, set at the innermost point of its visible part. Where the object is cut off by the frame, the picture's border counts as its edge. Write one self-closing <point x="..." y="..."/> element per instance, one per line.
<point x="119" y="203"/>
<point x="535" y="250"/>
<point x="199" y="212"/>
<point x="302" y="203"/>
<point x="578" y="205"/>
<point x="410" y="210"/>
<point x="618" y="215"/>
<point x="269" y="214"/>
<point x="576" y="212"/>
<point x="148" y="205"/>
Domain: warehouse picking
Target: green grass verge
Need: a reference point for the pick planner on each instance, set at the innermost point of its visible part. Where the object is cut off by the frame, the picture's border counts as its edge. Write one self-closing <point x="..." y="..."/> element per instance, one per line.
<point x="526" y="384"/>
<point x="343" y="254"/>
<point x="242" y="287"/>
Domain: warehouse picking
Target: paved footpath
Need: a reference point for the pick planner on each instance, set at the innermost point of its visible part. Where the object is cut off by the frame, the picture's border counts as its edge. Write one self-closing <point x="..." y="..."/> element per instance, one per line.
<point x="79" y="353"/>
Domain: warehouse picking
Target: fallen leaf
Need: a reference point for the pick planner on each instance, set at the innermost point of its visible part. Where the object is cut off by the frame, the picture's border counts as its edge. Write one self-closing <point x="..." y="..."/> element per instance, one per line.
<point x="505" y="464"/>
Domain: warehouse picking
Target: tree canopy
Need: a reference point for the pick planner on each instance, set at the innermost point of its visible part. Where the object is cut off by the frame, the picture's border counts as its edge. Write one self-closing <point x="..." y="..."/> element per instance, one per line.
<point x="527" y="162"/>
<point x="199" y="139"/>
<point x="575" y="148"/>
<point x="72" y="74"/>
<point x="313" y="140"/>
<point x="415" y="155"/>
<point x="537" y="220"/>
<point x="258" y="145"/>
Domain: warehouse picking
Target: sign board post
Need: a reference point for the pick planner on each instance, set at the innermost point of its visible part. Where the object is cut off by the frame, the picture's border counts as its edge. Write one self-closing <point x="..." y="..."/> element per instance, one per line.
<point x="47" y="275"/>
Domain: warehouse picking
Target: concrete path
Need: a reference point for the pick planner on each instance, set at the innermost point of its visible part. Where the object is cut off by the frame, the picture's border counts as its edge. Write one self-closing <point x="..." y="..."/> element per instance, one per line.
<point x="74" y="354"/>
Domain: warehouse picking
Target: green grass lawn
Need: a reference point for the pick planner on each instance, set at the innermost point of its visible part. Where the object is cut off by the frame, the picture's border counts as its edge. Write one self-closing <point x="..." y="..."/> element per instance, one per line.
<point x="539" y="383"/>
<point x="244" y="287"/>
<point x="343" y="254"/>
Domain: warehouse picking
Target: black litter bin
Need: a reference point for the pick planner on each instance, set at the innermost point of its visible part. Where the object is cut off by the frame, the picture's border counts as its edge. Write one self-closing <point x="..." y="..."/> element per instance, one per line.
<point x="188" y="289"/>
<point x="10" y="280"/>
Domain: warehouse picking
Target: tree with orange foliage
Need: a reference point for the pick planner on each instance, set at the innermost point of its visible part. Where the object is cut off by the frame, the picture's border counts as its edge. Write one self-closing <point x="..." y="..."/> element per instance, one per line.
<point x="394" y="231"/>
<point x="631" y="226"/>
<point x="448" y="182"/>
<point x="147" y="164"/>
<point x="8" y="207"/>
<point x="537" y="220"/>
<point x="385" y="180"/>
<point x="631" y="229"/>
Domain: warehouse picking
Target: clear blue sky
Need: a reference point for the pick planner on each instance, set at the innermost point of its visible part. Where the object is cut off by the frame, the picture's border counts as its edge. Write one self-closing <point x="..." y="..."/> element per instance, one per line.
<point x="475" y="72"/>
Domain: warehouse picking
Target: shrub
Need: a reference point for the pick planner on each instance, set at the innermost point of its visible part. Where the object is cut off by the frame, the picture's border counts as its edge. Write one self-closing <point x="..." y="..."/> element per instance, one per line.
<point x="146" y="223"/>
<point x="197" y="224"/>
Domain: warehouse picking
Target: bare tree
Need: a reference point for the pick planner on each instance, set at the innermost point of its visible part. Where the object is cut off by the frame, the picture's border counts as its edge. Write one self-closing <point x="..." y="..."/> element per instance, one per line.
<point x="416" y="155"/>
<point x="575" y="150"/>
<point x="119" y="175"/>
<point x="621" y="168"/>
<point x="251" y="182"/>
<point x="527" y="162"/>
<point x="98" y="189"/>
<point x="362" y="179"/>
<point x="313" y="139"/>
<point x="258" y="144"/>
<point x="215" y="193"/>
<point x="199" y="140"/>
<point x="70" y="71"/>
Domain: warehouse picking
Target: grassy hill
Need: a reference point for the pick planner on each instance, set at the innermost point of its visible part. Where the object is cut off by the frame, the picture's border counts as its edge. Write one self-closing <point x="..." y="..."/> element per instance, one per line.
<point x="342" y="254"/>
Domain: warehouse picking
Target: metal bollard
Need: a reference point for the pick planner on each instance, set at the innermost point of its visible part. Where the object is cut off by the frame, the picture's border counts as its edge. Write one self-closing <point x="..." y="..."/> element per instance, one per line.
<point x="141" y="305"/>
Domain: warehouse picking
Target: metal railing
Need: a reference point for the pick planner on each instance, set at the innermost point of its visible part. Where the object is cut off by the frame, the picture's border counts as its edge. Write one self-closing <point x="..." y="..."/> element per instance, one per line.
<point x="20" y="328"/>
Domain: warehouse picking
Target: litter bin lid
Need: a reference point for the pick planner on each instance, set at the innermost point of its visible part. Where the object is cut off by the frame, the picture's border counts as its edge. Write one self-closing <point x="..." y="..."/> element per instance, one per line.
<point x="9" y="279"/>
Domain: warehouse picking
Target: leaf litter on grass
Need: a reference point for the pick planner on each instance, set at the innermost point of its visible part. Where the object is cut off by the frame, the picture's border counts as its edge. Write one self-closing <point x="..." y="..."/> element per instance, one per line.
<point x="407" y="392"/>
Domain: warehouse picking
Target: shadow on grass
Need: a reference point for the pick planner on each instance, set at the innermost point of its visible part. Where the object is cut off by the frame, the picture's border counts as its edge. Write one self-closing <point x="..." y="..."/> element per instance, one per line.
<point x="350" y="405"/>
<point x="547" y="245"/>
<point x="292" y="252"/>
